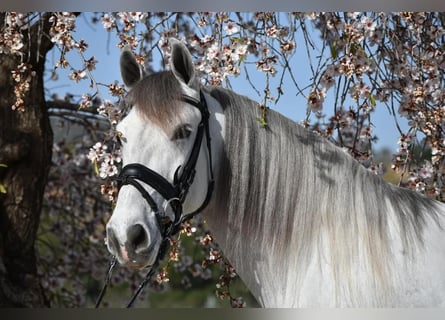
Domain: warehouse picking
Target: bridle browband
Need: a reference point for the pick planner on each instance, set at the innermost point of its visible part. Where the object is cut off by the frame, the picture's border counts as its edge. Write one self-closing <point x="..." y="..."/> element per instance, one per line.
<point x="174" y="193"/>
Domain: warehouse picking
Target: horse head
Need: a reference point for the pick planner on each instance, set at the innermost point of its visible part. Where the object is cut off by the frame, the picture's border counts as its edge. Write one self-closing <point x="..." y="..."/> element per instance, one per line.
<point x="167" y="167"/>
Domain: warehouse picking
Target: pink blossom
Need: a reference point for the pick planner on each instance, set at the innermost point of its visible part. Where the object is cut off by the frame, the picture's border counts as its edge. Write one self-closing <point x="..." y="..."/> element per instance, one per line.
<point x="108" y="22"/>
<point x="231" y="28"/>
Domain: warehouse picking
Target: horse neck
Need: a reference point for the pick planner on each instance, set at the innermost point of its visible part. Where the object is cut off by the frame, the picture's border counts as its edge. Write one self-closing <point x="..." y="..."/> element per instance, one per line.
<point x="258" y="267"/>
<point x="278" y="248"/>
<point x="251" y="261"/>
<point x="215" y="214"/>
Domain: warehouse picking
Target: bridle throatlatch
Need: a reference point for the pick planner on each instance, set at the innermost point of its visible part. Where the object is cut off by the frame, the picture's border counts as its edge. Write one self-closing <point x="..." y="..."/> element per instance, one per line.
<point x="173" y="193"/>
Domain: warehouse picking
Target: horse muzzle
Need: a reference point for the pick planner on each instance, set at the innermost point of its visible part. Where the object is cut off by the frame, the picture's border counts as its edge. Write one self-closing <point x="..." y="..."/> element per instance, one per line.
<point x="133" y="250"/>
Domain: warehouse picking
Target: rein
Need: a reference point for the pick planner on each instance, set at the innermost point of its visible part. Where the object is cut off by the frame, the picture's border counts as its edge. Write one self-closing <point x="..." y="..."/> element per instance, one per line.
<point x="174" y="194"/>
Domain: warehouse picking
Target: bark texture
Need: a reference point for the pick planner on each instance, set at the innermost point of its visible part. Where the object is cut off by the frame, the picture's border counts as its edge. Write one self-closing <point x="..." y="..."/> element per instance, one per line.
<point x="25" y="147"/>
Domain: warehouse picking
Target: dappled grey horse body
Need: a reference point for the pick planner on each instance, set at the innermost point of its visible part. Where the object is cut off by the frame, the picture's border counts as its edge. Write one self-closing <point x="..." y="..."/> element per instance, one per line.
<point x="302" y="222"/>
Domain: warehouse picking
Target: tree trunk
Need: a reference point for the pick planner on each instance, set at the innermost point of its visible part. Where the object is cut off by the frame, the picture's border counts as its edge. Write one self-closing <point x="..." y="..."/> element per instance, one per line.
<point x="25" y="148"/>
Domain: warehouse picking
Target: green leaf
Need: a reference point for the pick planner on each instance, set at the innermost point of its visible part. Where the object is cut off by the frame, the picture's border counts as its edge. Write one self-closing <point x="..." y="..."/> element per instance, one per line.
<point x="262" y="122"/>
<point x="96" y="167"/>
<point x="334" y="52"/>
<point x="372" y="100"/>
<point x="2" y="186"/>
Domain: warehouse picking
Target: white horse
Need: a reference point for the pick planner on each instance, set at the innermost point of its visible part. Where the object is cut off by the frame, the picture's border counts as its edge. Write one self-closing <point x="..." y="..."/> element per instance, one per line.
<point x="302" y="222"/>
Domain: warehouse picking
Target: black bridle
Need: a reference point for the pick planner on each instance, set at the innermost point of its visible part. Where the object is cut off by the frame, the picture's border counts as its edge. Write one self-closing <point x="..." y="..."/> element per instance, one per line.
<point x="174" y="193"/>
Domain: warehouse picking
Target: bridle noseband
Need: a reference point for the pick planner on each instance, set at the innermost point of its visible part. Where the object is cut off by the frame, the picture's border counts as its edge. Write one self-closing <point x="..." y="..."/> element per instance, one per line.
<point x="174" y="193"/>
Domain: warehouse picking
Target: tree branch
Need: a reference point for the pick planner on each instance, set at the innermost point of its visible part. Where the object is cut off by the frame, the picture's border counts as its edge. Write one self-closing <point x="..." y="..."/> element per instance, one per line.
<point x="66" y="105"/>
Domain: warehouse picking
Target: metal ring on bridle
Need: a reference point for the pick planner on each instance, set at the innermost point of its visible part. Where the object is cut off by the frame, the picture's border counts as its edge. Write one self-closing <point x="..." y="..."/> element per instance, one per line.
<point x="166" y="203"/>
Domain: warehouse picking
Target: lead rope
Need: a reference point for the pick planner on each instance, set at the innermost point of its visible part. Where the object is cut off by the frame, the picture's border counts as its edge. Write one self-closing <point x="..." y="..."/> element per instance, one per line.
<point x="143" y="284"/>
<point x="107" y="282"/>
<point x="138" y="291"/>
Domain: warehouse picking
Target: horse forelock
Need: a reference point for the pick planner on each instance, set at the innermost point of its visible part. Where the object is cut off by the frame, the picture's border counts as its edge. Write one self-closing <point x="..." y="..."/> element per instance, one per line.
<point x="157" y="98"/>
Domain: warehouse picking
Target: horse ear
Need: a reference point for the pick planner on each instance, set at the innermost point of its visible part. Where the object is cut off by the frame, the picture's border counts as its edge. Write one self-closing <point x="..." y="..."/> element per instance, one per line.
<point x="181" y="62"/>
<point x="131" y="71"/>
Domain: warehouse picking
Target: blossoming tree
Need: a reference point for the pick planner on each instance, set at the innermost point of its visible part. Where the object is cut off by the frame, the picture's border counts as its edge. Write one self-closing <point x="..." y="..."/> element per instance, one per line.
<point x="357" y="62"/>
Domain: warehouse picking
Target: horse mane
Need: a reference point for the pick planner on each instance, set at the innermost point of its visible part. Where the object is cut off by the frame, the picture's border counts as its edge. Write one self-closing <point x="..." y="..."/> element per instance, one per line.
<point x="295" y="193"/>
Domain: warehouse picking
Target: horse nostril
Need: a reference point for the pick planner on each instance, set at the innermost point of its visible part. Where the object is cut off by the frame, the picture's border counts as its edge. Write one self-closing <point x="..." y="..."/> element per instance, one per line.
<point x="137" y="238"/>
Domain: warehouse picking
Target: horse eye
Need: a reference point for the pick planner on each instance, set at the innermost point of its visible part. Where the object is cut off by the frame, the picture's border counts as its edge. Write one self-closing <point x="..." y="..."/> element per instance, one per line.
<point x="182" y="132"/>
